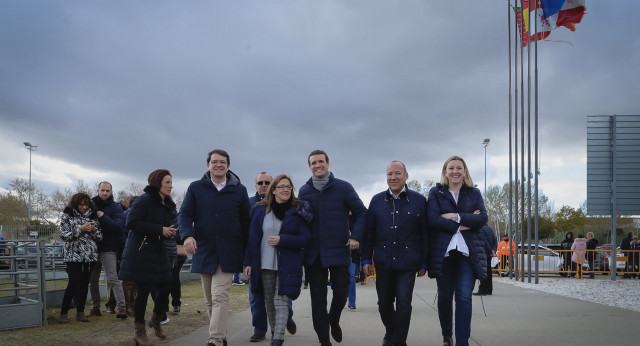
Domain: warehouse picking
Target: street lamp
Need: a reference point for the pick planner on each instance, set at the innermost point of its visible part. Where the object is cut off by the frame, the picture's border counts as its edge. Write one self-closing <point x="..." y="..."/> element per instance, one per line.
<point x="31" y="149"/>
<point x="484" y="144"/>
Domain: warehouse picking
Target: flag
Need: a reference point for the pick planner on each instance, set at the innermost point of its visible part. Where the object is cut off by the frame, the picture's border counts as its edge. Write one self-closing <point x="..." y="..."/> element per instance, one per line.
<point x="551" y="7"/>
<point x="522" y="19"/>
<point x="565" y="13"/>
<point x="571" y="14"/>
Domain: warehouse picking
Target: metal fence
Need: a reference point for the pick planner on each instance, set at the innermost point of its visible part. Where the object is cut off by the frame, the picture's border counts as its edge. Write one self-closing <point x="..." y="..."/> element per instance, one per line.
<point x="50" y="234"/>
<point x="22" y="284"/>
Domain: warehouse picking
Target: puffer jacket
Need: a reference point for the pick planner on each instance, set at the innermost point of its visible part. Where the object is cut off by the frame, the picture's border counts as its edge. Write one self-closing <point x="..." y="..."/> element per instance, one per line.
<point x="79" y="246"/>
<point x="396" y="234"/>
<point x="144" y="258"/>
<point x="330" y="225"/>
<point x="442" y="230"/>
<point x="578" y="247"/>
<point x="294" y="236"/>
<point x="218" y="221"/>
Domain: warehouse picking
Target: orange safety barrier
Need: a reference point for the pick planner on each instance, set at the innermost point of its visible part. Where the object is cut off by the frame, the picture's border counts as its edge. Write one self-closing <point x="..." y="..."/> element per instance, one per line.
<point x="560" y="261"/>
<point x="372" y="276"/>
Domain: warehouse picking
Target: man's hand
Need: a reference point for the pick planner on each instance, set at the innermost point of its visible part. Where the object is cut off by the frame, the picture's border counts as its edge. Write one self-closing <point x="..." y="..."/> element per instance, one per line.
<point x="367" y="269"/>
<point x="190" y="245"/>
<point x="353" y="244"/>
<point x="100" y="213"/>
<point x="247" y="272"/>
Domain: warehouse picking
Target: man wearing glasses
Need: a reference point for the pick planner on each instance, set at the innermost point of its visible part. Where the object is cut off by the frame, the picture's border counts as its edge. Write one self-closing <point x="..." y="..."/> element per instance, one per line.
<point x="214" y="224"/>
<point x="256" y="300"/>
<point x="329" y="251"/>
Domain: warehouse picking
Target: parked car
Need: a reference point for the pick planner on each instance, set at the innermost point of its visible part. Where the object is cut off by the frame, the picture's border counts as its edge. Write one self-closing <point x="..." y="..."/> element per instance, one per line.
<point x="28" y="257"/>
<point x="620" y="266"/>
<point x="53" y="257"/>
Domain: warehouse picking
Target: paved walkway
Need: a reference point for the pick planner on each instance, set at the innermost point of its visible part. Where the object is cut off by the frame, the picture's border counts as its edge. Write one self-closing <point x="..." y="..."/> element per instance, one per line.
<point x="515" y="316"/>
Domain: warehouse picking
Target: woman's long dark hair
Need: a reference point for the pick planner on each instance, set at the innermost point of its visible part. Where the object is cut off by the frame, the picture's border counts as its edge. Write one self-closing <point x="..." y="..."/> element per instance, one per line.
<point x="272" y="187"/>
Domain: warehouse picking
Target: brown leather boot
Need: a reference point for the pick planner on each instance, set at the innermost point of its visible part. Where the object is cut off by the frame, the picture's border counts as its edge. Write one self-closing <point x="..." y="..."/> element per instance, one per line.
<point x="140" y="336"/>
<point x="157" y="327"/>
<point x="64" y="319"/>
<point x="80" y="316"/>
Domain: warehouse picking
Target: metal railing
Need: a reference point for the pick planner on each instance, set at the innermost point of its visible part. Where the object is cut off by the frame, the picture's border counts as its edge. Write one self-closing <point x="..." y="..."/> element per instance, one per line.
<point x="570" y="262"/>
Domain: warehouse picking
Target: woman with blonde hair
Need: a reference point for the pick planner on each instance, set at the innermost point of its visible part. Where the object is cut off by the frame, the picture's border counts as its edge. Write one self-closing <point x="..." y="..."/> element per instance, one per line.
<point x="456" y="213"/>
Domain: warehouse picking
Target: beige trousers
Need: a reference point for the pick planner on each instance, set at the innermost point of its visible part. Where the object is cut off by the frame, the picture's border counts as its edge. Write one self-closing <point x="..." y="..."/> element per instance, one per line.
<point x="216" y="295"/>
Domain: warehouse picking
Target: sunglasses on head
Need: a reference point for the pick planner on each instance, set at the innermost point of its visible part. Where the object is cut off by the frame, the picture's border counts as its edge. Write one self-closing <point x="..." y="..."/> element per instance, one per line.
<point x="263" y="182"/>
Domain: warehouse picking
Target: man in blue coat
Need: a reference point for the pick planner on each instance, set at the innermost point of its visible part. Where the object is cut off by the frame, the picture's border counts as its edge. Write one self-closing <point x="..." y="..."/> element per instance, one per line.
<point x="214" y="224"/>
<point x="112" y="223"/>
<point x="396" y="241"/>
<point x="329" y="251"/>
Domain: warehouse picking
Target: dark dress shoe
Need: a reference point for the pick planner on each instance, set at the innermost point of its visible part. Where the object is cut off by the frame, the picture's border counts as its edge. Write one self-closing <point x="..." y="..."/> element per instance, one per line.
<point x="336" y="332"/>
<point x="447" y="341"/>
<point x="291" y="327"/>
<point x="386" y="342"/>
<point x="256" y="337"/>
<point x="479" y="294"/>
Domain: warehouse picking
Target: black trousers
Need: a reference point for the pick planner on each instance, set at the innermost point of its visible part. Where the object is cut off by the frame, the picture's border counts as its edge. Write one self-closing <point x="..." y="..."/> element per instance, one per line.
<point x="317" y="276"/>
<point x="176" y="286"/>
<point x="161" y="298"/>
<point x="78" y="286"/>
<point x="486" y="285"/>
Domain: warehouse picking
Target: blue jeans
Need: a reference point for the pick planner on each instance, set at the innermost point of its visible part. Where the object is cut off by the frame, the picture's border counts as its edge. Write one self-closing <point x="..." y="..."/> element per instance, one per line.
<point x="259" y="312"/>
<point x="352" y="284"/>
<point x="395" y="285"/>
<point x="457" y="278"/>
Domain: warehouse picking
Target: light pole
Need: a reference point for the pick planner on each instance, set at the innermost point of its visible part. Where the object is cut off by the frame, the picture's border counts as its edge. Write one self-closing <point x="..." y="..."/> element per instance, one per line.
<point x="31" y="149"/>
<point x="484" y="144"/>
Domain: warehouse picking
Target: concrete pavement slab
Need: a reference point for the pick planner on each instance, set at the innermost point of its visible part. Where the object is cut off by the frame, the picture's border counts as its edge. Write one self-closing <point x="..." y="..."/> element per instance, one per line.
<point x="514" y="316"/>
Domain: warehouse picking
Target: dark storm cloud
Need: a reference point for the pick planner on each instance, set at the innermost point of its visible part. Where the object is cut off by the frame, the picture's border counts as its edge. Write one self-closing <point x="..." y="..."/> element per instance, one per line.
<point x="159" y="83"/>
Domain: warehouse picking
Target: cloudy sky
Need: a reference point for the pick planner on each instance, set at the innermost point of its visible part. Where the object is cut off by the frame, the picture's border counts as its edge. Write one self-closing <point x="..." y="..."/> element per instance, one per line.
<point x="111" y="90"/>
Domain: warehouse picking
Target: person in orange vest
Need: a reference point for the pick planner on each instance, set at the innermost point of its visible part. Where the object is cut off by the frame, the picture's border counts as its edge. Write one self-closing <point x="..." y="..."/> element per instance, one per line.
<point x="503" y="251"/>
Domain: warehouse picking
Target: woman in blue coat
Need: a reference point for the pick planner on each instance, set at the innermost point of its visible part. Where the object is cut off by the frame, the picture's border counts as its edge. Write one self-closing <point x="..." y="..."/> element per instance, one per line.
<point x="151" y="221"/>
<point x="278" y="233"/>
<point x="456" y="213"/>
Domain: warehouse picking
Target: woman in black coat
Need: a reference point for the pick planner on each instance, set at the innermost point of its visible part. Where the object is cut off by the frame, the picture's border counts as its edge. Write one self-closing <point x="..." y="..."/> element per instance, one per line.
<point x="151" y="221"/>
<point x="456" y="213"/>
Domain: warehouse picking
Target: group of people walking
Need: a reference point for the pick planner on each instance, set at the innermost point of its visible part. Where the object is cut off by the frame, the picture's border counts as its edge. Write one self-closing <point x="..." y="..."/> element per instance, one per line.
<point x="274" y="234"/>
<point x="137" y="263"/>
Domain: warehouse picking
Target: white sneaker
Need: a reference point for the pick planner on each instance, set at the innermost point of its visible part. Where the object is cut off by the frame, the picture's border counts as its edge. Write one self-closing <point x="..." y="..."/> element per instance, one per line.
<point x="238" y="283"/>
<point x="165" y="321"/>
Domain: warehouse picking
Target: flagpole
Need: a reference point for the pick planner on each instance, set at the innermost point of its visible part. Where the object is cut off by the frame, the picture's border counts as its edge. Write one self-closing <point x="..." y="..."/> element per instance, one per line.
<point x="516" y="234"/>
<point x="510" y="228"/>
<point x="535" y="6"/>
<point x="522" y="148"/>
<point x="535" y="131"/>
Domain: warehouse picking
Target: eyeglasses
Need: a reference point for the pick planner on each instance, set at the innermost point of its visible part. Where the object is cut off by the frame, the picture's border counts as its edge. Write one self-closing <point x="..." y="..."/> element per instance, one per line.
<point x="215" y="162"/>
<point x="284" y="187"/>
<point x="263" y="182"/>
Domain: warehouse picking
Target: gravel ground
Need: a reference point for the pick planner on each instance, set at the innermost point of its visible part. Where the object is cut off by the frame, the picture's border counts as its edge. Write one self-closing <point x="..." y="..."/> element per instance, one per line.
<point x="622" y="293"/>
